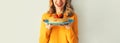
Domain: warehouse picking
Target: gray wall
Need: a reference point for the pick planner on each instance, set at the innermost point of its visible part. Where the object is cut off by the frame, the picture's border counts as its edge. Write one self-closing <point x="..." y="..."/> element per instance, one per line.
<point x="99" y="20"/>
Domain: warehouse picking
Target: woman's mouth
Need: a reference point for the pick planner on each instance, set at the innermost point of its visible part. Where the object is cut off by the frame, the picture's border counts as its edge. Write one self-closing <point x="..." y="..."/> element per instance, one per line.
<point x="59" y="5"/>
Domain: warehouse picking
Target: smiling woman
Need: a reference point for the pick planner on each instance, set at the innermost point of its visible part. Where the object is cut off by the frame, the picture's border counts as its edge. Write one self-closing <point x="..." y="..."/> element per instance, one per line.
<point x="60" y="11"/>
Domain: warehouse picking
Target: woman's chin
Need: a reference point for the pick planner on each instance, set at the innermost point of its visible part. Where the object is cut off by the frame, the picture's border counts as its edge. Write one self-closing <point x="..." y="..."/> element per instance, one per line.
<point x="59" y="7"/>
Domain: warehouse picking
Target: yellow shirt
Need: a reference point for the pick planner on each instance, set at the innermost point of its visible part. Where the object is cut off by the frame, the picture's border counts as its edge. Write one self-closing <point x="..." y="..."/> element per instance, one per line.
<point x="59" y="34"/>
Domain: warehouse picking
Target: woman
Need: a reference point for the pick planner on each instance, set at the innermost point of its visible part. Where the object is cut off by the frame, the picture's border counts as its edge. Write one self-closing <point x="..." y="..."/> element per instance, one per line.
<point x="63" y="33"/>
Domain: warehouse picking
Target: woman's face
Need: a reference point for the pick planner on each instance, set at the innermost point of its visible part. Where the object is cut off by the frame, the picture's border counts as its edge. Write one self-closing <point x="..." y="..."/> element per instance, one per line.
<point x="59" y="3"/>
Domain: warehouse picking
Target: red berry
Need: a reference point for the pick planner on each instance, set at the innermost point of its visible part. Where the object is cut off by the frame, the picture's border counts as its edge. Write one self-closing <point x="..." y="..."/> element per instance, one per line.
<point x="60" y="15"/>
<point x="55" y="16"/>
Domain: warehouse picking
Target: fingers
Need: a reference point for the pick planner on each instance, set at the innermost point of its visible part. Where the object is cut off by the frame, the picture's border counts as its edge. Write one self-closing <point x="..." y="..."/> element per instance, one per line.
<point x="48" y="26"/>
<point x="68" y="26"/>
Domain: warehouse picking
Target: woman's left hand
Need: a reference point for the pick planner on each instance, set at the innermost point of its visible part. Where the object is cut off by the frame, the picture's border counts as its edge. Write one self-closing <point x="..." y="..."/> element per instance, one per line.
<point x="68" y="26"/>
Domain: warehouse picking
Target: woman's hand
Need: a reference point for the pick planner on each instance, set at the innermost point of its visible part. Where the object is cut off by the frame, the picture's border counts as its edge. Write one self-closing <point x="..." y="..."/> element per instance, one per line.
<point x="68" y="26"/>
<point x="48" y="26"/>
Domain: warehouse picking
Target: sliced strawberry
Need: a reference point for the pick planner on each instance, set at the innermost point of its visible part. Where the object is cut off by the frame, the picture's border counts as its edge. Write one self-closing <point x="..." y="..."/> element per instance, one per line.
<point x="60" y="16"/>
<point x="55" y="16"/>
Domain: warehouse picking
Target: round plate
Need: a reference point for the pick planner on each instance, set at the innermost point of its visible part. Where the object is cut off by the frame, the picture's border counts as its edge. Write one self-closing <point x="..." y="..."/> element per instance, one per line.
<point x="59" y="23"/>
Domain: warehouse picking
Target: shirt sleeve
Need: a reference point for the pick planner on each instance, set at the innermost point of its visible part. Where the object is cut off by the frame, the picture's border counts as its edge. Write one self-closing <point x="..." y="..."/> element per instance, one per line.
<point x="72" y="33"/>
<point x="44" y="32"/>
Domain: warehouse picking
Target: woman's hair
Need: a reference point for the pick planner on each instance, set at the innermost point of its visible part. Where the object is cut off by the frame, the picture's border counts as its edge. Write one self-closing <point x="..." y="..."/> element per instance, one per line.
<point x="68" y="9"/>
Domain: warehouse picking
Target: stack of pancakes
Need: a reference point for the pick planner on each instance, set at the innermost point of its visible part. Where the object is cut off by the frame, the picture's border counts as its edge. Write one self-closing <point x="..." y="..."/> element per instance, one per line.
<point x="57" y="19"/>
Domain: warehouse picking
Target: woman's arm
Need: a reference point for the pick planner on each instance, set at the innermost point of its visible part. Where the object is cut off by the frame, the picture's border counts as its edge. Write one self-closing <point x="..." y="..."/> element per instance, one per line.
<point x="72" y="32"/>
<point x="75" y="25"/>
<point x="44" y="32"/>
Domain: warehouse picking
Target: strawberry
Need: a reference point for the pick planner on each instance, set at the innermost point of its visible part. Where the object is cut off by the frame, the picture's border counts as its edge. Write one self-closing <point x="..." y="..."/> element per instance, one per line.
<point x="60" y="16"/>
<point x="55" y="16"/>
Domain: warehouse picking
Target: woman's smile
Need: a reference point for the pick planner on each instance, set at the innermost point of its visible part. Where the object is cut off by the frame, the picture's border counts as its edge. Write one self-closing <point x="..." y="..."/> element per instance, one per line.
<point x="59" y="4"/>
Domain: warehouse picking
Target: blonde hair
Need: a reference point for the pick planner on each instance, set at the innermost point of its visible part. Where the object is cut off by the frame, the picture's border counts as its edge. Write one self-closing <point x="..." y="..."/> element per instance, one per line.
<point x="68" y="9"/>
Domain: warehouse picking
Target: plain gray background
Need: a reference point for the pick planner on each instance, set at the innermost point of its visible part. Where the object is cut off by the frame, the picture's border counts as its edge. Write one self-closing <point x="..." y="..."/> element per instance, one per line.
<point x="99" y="20"/>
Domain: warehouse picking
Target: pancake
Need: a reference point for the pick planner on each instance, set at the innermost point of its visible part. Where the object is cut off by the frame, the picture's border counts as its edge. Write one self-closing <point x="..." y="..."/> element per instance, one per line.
<point x="57" y="20"/>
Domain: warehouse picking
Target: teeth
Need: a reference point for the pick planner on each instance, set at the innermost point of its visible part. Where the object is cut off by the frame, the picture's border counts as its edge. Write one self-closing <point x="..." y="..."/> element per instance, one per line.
<point x="59" y="5"/>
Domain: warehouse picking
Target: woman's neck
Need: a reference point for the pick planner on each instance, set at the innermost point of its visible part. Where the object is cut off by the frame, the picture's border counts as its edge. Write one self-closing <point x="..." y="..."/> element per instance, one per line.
<point x="59" y="11"/>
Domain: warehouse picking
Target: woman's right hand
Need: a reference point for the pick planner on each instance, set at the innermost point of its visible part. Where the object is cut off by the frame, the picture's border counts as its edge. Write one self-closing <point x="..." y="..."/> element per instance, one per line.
<point x="48" y="26"/>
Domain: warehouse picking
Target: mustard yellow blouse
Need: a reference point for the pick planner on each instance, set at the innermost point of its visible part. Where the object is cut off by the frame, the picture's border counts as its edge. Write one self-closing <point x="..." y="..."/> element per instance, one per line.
<point x="59" y="34"/>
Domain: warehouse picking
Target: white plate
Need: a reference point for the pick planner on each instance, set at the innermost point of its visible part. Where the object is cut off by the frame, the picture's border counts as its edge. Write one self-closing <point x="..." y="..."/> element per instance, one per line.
<point x="59" y="23"/>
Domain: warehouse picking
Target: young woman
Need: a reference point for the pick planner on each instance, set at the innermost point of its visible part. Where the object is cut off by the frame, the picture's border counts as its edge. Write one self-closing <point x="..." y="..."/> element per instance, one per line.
<point x="62" y="33"/>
